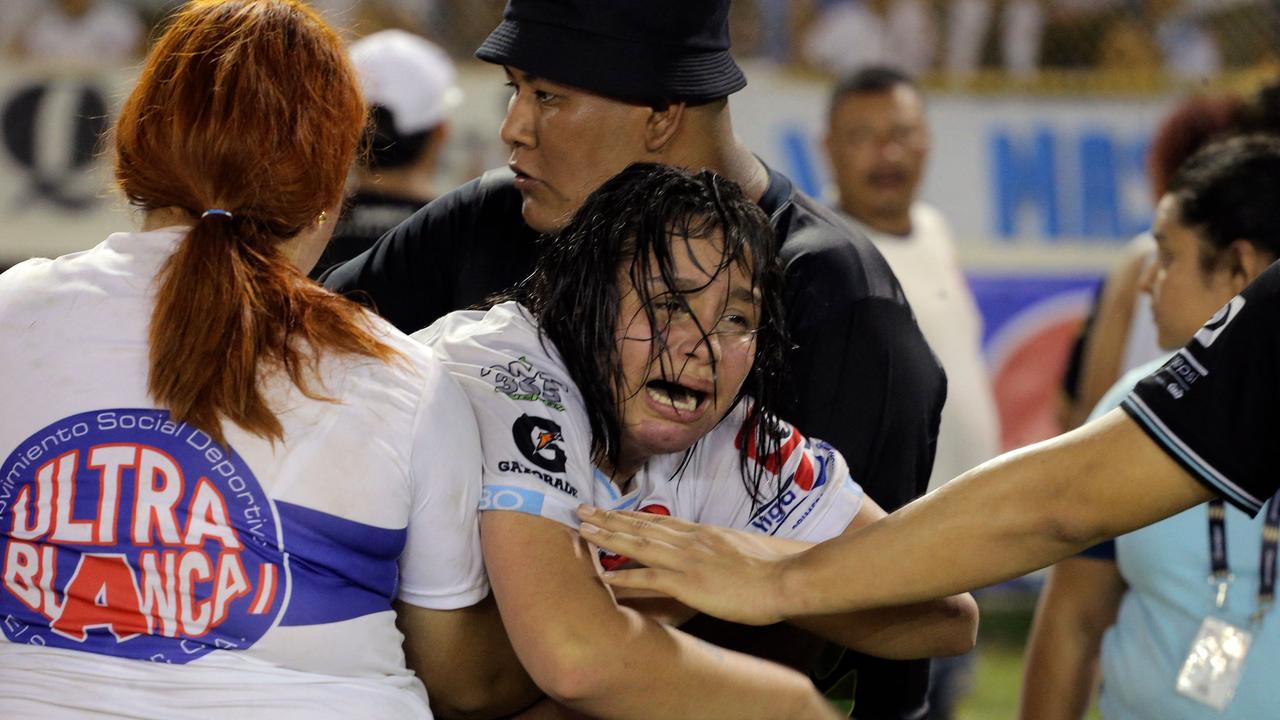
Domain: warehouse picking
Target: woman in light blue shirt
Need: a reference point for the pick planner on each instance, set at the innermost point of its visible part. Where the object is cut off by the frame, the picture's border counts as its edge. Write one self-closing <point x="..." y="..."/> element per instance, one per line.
<point x="1150" y="612"/>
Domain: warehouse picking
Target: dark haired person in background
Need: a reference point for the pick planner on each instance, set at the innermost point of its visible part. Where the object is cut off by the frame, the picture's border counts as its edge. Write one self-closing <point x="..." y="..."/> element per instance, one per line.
<point x="637" y="368"/>
<point x="597" y="86"/>
<point x="409" y="84"/>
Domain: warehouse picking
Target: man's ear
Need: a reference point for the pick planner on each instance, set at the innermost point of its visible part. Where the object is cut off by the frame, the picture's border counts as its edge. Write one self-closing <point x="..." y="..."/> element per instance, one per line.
<point x="663" y="123"/>
<point x="1246" y="262"/>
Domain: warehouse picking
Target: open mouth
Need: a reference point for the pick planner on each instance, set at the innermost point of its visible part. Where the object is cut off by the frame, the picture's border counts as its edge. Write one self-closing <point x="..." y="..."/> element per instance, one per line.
<point x="677" y="396"/>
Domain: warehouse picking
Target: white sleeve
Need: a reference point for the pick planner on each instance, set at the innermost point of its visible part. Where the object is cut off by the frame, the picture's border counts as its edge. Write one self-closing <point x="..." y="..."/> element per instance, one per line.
<point x="534" y="440"/>
<point x="441" y="567"/>
<point x="806" y="491"/>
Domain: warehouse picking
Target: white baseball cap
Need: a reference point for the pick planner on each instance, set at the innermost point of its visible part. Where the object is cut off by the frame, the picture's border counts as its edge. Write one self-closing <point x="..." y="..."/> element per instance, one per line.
<point x="408" y="75"/>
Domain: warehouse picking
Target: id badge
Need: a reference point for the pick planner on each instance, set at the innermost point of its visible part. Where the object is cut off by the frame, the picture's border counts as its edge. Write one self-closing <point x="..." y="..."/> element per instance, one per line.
<point x="1212" y="670"/>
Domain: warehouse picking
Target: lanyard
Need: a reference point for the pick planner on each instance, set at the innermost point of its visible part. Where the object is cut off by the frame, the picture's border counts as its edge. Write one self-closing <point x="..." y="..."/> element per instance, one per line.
<point x="1220" y="570"/>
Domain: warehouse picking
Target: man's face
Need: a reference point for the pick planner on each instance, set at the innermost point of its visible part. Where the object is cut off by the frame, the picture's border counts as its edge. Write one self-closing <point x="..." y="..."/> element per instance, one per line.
<point x="673" y="397"/>
<point x="565" y="142"/>
<point x="877" y="143"/>
<point x="1183" y="294"/>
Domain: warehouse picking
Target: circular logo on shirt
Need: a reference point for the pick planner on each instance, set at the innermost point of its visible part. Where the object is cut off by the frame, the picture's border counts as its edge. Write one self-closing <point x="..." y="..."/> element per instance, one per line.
<point x="128" y="534"/>
<point x="538" y="439"/>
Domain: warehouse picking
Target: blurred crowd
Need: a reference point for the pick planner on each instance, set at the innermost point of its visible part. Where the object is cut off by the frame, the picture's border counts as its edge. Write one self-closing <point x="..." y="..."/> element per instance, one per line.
<point x="1181" y="39"/>
<point x="950" y="41"/>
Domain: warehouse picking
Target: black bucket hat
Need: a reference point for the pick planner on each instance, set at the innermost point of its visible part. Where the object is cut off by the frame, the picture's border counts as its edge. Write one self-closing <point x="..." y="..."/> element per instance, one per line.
<point x="629" y="49"/>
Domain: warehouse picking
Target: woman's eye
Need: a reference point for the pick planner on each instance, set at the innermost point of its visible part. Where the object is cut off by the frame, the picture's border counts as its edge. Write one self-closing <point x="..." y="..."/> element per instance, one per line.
<point x="736" y="323"/>
<point x="543" y="96"/>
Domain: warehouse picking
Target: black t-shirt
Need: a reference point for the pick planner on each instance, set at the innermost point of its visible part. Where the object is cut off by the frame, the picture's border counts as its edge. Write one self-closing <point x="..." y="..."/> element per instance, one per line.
<point x="1215" y="405"/>
<point x="366" y="217"/>
<point x="449" y="255"/>
<point x="863" y="378"/>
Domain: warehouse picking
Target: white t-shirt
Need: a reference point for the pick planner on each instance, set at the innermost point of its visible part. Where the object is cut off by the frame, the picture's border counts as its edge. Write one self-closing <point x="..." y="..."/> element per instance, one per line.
<point x="257" y="578"/>
<point x="536" y="442"/>
<point x="929" y="272"/>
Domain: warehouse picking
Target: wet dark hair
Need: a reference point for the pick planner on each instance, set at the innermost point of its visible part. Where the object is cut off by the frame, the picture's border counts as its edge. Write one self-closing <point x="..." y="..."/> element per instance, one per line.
<point x="629" y="223"/>
<point x="1227" y="191"/>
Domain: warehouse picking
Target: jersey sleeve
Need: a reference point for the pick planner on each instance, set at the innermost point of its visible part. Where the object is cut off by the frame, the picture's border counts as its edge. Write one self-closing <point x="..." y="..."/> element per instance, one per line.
<point x="534" y="439"/>
<point x="1214" y="407"/>
<point x="442" y="567"/>
<point x="805" y="490"/>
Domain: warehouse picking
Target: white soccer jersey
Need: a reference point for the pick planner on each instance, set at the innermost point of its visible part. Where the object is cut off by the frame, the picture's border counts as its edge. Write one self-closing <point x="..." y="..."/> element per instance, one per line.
<point x="150" y="572"/>
<point x="536" y="443"/>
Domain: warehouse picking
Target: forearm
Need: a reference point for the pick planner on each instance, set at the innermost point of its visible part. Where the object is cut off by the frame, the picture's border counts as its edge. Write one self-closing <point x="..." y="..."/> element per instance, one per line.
<point x="1059" y="676"/>
<point x="603" y="659"/>
<point x="686" y="677"/>
<point x="1011" y="515"/>
<point x="933" y="628"/>
<point x="1078" y="603"/>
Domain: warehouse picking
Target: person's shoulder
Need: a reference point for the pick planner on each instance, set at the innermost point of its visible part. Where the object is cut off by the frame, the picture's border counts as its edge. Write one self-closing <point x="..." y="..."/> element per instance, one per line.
<point x="411" y="367"/>
<point x="832" y="256"/>
<point x="26" y="275"/>
<point x="1266" y="287"/>
<point x="480" y="213"/>
<point x="493" y="191"/>
<point x="34" y="285"/>
<point x="1121" y="388"/>
<point x="470" y="335"/>
<point x="928" y="221"/>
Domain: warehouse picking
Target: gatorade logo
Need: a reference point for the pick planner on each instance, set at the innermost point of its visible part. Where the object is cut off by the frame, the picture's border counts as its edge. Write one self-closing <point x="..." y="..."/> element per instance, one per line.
<point x="538" y="439"/>
<point x="127" y="534"/>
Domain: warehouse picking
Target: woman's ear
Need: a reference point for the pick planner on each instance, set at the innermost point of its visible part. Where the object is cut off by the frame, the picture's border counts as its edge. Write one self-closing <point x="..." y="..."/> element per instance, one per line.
<point x="1246" y="261"/>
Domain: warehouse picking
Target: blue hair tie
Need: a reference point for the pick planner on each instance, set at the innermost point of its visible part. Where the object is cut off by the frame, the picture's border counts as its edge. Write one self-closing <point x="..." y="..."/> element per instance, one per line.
<point x="217" y="211"/>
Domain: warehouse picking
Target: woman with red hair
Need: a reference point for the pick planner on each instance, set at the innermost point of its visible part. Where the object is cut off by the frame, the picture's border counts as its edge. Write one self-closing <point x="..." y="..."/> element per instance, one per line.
<point x="222" y="486"/>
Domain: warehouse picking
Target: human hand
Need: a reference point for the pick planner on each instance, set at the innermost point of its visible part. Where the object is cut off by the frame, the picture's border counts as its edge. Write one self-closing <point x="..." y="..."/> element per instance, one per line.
<point x="727" y="573"/>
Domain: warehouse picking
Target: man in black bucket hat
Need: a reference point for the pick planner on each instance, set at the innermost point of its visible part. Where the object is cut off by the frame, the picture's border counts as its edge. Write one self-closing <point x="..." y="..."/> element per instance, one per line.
<point x="598" y="85"/>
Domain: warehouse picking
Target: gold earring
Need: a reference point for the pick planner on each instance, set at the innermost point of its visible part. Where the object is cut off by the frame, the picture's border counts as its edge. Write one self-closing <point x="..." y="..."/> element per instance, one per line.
<point x="324" y="215"/>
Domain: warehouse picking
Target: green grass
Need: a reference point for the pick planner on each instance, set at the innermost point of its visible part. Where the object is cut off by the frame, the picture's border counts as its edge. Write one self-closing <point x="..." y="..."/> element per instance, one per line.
<point x="998" y="676"/>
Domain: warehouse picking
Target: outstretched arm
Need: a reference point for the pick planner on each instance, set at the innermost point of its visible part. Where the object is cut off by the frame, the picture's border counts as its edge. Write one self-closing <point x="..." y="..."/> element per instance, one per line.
<point x="1013" y="514"/>
<point x="601" y="659"/>
<point x="931" y="628"/>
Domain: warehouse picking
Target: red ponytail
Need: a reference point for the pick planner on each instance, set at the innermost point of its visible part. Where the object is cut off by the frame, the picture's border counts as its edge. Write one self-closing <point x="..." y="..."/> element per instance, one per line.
<point x="250" y="106"/>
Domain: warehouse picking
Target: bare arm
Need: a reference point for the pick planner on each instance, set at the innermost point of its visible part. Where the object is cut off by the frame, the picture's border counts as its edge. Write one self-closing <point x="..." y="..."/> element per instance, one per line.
<point x="1078" y="603"/>
<point x="1018" y="512"/>
<point x="931" y="628"/>
<point x="465" y="660"/>
<point x="1105" y="347"/>
<point x="596" y="657"/>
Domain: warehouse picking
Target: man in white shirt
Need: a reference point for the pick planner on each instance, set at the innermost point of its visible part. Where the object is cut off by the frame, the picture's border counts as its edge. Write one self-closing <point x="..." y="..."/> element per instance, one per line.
<point x="878" y="142"/>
